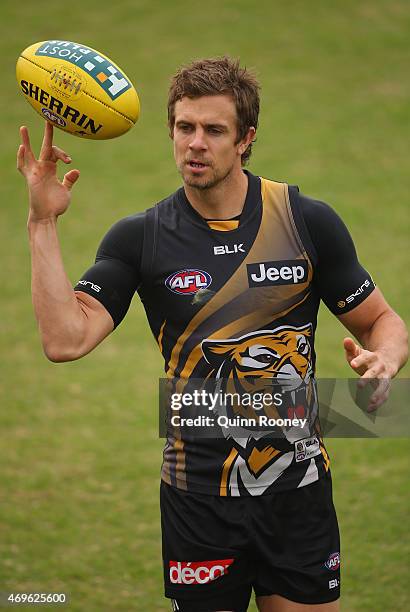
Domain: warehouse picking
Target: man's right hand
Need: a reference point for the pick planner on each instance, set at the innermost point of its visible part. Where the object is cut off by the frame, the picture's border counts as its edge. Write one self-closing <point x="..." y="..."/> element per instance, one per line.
<point x="48" y="196"/>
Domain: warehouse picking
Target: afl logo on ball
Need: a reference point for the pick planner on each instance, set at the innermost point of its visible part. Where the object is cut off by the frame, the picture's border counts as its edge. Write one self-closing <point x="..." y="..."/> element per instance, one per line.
<point x="189" y="281"/>
<point x="53" y="117"/>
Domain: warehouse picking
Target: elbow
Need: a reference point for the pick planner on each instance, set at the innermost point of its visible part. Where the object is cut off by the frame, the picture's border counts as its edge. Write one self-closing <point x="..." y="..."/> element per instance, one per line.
<point x="59" y="353"/>
<point x="62" y="345"/>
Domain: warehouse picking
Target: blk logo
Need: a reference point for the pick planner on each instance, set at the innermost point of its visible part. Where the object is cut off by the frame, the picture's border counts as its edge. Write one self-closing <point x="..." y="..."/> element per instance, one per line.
<point x="225" y="249"/>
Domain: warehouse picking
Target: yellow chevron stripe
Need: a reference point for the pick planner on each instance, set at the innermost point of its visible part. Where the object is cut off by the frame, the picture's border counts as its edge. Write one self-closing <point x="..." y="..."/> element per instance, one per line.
<point x="180" y="467"/>
<point x="223" y="489"/>
<point x="161" y="333"/>
<point x="326" y="457"/>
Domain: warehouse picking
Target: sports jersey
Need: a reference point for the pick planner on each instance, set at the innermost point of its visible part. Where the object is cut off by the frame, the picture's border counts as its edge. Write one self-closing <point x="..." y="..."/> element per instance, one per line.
<point x="234" y="301"/>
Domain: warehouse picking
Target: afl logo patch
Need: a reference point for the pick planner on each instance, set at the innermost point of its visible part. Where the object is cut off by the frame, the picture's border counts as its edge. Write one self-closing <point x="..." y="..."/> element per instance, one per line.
<point x="188" y="281"/>
<point x="333" y="562"/>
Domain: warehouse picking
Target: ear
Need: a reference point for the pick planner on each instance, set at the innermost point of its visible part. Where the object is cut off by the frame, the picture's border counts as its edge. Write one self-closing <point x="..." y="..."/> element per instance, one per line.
<point x="216" y="352"/>
<point x="171" y="127"/>
<point x="246" y="141"/>
<point x="307" y="330"/>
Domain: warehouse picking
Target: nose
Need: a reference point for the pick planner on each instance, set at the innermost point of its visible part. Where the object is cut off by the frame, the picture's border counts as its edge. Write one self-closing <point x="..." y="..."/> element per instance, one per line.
<point x="198" y="142"/>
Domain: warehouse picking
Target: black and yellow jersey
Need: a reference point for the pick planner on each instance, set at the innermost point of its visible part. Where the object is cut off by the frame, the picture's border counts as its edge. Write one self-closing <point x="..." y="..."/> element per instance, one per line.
<point x="232" y="300"/>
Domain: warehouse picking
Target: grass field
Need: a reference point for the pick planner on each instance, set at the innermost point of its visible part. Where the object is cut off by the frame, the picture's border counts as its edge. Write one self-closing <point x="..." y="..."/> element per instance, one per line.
<point x="80" y="455"/>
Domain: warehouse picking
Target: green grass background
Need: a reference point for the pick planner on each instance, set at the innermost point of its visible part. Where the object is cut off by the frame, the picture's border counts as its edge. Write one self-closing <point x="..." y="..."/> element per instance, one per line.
<point x="80" y="456"/>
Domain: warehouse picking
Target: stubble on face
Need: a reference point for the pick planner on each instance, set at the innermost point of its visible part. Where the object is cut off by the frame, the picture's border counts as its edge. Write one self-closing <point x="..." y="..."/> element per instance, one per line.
<point x="215" y="147"/>
<point x="202" y="183"/>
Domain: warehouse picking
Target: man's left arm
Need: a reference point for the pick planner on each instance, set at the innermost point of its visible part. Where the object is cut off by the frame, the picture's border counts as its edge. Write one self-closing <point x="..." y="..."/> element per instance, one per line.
<point x="384" y="344"/>
<point x="351" y="295"/>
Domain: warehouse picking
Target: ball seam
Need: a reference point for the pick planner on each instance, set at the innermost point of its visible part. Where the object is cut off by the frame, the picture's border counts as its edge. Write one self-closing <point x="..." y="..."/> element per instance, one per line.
<point x="114" y="110"/>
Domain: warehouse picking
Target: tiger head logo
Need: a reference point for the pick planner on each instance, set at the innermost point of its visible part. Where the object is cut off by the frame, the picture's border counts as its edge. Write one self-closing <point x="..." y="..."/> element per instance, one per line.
<point x="283" y="353"/>
<point x="257" y="361"/>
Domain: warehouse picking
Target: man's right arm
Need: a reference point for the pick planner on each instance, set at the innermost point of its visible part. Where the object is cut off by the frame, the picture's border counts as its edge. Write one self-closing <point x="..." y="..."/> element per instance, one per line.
<point x="71" y="323"/>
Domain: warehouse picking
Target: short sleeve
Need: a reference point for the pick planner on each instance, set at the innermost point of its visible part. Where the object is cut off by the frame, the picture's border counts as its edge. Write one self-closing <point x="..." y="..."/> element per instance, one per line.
<point x="341" y="281"/>
<point x="115" y="275"/>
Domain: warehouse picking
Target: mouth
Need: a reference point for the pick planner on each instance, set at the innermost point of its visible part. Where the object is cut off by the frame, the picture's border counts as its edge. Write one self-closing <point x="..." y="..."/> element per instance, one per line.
<point x="196" y="165"/>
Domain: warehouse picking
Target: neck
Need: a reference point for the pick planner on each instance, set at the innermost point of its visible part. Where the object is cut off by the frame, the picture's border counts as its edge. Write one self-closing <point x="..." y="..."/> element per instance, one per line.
<point x="224" y="201"/>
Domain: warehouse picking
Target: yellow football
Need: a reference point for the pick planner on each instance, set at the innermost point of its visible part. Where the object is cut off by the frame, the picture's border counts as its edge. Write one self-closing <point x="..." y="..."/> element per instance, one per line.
<point x="77" y="89"/>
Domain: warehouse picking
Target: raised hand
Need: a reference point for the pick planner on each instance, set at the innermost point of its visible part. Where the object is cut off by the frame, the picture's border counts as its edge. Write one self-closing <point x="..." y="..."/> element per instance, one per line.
<point x="49" y="197"/>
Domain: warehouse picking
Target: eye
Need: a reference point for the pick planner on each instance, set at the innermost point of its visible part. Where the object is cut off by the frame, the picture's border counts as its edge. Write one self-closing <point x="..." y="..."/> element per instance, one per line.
<point x="303" y="346"/>
<point x="258" y="357"/>
<point x="184" y="127"/>
<point x="266" y="358"/>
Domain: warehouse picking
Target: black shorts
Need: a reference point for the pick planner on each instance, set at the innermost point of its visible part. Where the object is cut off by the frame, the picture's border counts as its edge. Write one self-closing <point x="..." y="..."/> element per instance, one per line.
<point x="217" y="549"/>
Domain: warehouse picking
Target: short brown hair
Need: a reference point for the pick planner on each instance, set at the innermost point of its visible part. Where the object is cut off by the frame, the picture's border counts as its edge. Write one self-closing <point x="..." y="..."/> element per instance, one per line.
<point x="218" y="76"/>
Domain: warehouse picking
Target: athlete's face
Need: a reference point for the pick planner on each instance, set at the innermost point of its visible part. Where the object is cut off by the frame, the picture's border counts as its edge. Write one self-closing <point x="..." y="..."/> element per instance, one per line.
<point x="205" y="140"/>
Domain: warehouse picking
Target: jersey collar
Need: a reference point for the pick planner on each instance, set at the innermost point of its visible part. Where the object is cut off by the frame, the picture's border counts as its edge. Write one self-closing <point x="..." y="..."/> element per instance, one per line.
<point x="252" y="202"/>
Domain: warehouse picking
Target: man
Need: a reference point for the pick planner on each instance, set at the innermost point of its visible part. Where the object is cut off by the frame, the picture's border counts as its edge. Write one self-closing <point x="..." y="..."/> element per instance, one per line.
<point x="230" y="269"/>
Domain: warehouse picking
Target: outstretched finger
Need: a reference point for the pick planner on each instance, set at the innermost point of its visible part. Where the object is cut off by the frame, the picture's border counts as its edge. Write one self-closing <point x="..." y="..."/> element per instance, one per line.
<point x="351" y="349"/>
<point x="47" y="145"/>
<point x="58" y="153"/>
<point x="70" y="178"/>
<point x="370" y="375"/>
<point x="25" y="141"/>
<point x="20" y="159"/>
<point x="381" y="394"/>
<point x="364" y="360"/>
